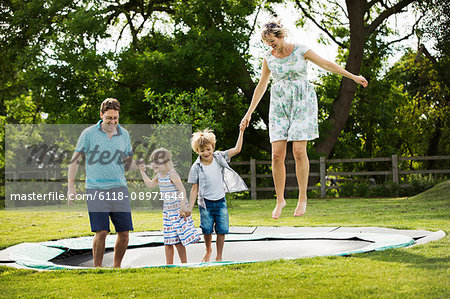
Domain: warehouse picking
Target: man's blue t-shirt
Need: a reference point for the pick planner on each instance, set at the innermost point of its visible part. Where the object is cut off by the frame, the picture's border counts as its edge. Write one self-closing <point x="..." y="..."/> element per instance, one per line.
<point x="104" y="156"/>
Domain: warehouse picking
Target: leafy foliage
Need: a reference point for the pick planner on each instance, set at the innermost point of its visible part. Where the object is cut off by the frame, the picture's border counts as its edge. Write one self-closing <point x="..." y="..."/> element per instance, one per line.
<point x="188" y="62"/>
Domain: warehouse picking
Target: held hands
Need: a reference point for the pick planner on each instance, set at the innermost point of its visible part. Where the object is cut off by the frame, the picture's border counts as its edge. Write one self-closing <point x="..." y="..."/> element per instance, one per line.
<point x="245" y="122"/>
<point x="71" y="193"/>
<point x="140" y="163"/>
<point x="361" y="80"/>
<point x="185" y="212"/>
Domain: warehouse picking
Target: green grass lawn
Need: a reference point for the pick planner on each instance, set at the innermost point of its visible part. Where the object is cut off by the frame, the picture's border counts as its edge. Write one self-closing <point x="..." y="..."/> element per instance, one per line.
<point x="421" y="271"/>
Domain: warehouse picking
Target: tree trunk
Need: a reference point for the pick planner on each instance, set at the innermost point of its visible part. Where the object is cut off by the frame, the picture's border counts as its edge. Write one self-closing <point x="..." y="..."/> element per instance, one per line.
<point x="357" y="11"/>
<point x="340" y="110"/>
<point x="341" y="106"/>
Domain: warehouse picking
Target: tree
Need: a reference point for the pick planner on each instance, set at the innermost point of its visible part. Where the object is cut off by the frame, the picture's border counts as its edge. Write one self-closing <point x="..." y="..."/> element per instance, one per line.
<point x="425" y="116"/>
<point x="207" y="51"/>
<point x="56" y="58"/>
<point x="350" y="25"/>
<point x="434" y="27"/>
<point x="48" y="51"/>
<point x="176" y="48"/>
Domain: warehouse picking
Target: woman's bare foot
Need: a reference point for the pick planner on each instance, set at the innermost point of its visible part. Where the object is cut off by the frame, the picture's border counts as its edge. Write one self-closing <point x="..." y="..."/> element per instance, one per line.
<point x="276" y="213"/>
<point x="207" y="255"/>
<point x="218" y="259"/>
<point x="301" y="208"/>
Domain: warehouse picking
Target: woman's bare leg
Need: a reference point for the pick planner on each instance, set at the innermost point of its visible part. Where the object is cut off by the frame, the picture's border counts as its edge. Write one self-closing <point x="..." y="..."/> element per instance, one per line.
<point x="302" y="172"/>
<point x="279" y="175"/>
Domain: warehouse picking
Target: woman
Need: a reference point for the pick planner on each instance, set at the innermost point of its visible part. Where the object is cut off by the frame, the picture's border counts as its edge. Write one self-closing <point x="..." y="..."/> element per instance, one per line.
<point x="293" y="107"/>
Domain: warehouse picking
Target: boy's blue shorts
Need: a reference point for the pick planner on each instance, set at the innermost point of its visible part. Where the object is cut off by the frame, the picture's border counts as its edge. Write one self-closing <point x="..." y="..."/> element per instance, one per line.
<point x="105" y="204"/>
<point x="214" y="216"/>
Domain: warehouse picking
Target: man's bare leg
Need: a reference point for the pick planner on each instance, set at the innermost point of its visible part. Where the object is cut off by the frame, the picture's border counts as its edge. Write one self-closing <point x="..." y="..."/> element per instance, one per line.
<point x="208" y="249"/>
<point x="120" y="247"/>
<point x="98" y="247"/>
<point x="279" y="175"/>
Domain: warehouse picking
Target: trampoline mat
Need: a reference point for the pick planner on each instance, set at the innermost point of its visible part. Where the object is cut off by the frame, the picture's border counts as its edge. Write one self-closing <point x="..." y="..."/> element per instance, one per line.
<point x="243" y="245"/>
<point x="243" y="251"/>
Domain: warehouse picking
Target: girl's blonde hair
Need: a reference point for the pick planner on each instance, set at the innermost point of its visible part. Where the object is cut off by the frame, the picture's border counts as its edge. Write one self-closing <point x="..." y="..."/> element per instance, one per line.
<point x="274" y="27"/>
<point x="201" y="139"/>
<point x="162" y="153"/>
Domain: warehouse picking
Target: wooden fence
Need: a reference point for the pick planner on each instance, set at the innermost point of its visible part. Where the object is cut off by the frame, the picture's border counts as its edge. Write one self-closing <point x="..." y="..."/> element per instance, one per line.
<point x="54" y="174"/>
<point x="325" y="175"/>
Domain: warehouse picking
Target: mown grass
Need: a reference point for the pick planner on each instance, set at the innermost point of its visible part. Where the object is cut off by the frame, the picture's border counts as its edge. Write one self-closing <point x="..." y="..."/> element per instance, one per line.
<point x="419" y="272"/>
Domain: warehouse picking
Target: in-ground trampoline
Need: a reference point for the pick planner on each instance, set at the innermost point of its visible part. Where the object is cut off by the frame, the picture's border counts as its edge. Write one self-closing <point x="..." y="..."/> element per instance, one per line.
<point x="243" y="245"/>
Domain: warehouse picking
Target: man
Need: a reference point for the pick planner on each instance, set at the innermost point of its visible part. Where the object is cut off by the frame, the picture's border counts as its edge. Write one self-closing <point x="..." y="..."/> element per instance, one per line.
<point x="106" y="148"/>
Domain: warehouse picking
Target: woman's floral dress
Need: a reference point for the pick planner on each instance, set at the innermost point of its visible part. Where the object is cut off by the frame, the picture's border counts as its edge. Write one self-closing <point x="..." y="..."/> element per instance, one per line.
<point x="293" y="101"/>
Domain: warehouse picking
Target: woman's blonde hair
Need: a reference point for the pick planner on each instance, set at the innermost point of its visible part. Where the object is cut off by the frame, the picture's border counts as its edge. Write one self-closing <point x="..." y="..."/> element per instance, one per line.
<point x="201" y="139"/>
<point x="274" y="27"/>
<point x="162" y="153"/>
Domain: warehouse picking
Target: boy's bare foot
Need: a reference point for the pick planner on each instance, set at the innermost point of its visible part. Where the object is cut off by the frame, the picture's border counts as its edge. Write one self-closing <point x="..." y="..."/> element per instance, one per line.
<point x="276" y="213"/>
<point x="207" y="255"/>
<point x="301" y="208"/>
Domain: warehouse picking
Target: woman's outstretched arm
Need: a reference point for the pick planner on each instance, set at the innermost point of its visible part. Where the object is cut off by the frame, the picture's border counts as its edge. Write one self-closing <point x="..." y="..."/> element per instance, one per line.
<point x="333" y="67"/>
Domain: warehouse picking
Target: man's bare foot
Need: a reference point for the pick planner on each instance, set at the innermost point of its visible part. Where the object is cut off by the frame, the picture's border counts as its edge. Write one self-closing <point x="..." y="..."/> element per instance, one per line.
<point x="301" y="208"/>
<point x="276" y="213"/>
<point x="218" y="259"/>
<point x="207" y="256"/>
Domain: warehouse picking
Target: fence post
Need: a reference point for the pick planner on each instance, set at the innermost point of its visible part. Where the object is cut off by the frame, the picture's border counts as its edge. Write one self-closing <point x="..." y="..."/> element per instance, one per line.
<point x="395" y="169"/>
<point x="58" y="175"/>
<point x="323" y="183"/>
<point x="253" y="179"/>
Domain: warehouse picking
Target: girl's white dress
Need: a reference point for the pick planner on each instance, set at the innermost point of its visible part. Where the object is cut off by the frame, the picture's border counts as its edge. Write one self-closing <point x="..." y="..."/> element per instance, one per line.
<point x="176" y="228"/>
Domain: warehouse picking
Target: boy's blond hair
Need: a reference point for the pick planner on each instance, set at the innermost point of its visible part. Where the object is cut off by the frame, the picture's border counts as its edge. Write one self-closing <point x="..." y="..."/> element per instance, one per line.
<point x="162" y="153"/>
<point x="201" y="139"/>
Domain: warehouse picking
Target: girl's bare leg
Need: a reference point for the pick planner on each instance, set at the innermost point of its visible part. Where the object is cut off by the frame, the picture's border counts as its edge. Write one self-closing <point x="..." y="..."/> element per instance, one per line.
<point x="302" y="172"/>
<point x="279" y="175"/>
<point x="168" y="249"/>
<point x="181" y="252"/>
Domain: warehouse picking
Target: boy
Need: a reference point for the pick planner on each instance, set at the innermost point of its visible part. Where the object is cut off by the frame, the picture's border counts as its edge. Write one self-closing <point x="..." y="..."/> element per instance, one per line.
<point x="212" y="177"/>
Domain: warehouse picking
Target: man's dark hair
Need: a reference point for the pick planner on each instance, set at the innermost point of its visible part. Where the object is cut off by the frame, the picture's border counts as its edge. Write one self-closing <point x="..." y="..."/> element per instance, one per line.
<point x="110" y="104"/>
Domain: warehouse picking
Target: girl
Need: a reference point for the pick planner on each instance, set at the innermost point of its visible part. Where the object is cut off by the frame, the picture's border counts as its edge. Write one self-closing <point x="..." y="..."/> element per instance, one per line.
<point x="179" y="227"/>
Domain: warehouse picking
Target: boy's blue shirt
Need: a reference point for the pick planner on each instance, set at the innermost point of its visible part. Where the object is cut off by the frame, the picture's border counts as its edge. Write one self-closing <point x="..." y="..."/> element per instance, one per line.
<point x="232" y="182"/>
